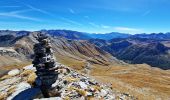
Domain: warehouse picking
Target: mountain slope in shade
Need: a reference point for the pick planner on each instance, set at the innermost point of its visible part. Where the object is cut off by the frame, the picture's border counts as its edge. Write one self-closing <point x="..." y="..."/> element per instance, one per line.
<point x="153" y="36"/>
<point x="138" y="50"/>
<point x="66" y="51"/>
<point x="69" y="34"/>
<point x="108" y="36"/>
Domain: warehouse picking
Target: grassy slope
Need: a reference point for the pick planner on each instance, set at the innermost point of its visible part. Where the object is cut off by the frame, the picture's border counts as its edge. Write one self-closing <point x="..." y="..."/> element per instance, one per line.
<point x="142" y="81"/>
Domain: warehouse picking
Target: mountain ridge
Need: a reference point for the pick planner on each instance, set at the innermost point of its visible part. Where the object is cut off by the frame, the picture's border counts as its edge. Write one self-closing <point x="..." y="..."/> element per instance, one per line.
<point x="89" y="58"/>
<point x="138" y="50"/>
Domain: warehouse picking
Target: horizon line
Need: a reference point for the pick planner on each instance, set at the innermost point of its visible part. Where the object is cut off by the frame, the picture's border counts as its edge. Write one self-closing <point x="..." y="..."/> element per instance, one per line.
<point x="83" y="32"/>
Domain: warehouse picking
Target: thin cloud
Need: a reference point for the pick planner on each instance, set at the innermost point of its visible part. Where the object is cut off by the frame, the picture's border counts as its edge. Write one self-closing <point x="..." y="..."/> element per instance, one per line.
<point x="146" y="13"/>
<point x="127" y="29"/>
<point x="86" y="17"/>
<point x="71" y="11"/>
<point x="70" y="21"/>
<point x="99" y="26"/>
<point x="36" y="9"/>
<point x="105" y="26"/>
<point x="16" y="14"/>
<point x="9" y="6"/>
<point x="93" y="24"/>
<point x="20" y="11"/>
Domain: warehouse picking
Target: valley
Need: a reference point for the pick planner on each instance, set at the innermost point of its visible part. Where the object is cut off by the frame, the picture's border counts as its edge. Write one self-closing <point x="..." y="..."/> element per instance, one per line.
<point x="103" y="59"/>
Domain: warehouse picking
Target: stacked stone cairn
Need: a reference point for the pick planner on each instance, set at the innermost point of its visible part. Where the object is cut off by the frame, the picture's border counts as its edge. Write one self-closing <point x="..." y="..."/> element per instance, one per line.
<point x="45" y="63"/>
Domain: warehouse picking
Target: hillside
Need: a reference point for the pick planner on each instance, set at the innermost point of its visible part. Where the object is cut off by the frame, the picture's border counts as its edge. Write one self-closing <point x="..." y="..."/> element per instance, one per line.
<point x="70" y="34"/>
<point x="138" y="50"/>
<point x="108" y="36"/>
<point x="91" y="58"/>
<point x="153" y="36"/>
<point x="66" y="51"/>
<point x="70" y="85"/>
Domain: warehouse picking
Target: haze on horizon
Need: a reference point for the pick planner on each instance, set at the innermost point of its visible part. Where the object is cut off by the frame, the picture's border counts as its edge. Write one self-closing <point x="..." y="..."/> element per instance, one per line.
<point x="94" y="16"/>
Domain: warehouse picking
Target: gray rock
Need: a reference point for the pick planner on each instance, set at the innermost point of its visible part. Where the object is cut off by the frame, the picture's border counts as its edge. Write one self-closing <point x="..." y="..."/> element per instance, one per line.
<point x="83" y="85"/>
<point x="52" y="98"/>
<point x="14" y="72"/>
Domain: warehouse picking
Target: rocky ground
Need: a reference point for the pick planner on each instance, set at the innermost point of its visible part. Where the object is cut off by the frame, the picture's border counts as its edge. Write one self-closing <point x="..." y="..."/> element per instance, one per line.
<point x="70" y="85"/>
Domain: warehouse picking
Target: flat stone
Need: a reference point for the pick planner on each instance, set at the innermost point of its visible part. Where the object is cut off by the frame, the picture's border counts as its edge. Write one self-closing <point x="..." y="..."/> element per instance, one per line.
<point x="29" y="67"/>
<point x="20" y="87"/>
<point x="55" y="84"/>
<point x="89" y="94"/>
<point x="52" y="98"/>
<point x="14" y="72"/>
<point x="103" y="93"/>
<point x="83" y="85"/>
<point x="23" y="86"/>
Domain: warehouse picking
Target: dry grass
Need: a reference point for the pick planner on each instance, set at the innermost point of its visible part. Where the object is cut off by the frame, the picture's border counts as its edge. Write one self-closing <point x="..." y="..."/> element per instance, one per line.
<point x="31" y="78"/>
<point x="17" y="65"/>
<point x="3" y="95"/>
<point x="5" y="69"/>
<point x="141" y="81"/>
<point x="77" y="64"/>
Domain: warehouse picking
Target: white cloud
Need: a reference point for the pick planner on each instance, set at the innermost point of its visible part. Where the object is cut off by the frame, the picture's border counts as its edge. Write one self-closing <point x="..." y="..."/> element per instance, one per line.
<point x="86" y="17"/>
<point x="105" y="26"/>
<point x="39" y="10"/>
<point x="35" y="9"/>
<point x="9" y="6"/>
<point x="70" y="21"/>
<point x="146" y="13"/>
<point x="128" y="29"/>
<point x="20" y="11"/>
<point x="99" y="26"/>
<point x="17" y="14"/>
<point x="71" y="11"/>
<point x="93" y="24"/>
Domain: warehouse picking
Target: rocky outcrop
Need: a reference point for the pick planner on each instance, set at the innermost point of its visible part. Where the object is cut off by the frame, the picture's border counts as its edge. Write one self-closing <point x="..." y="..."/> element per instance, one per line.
<point x="70" y="85"/>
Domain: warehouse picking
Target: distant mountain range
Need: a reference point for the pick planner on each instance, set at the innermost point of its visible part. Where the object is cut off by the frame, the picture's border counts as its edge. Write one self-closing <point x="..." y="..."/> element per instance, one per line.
<point x="153" y="36"/>
<point x="66" y="50"/>
<point x="108" y="36"/>
<point x="152" y="49"/>
<point x="138" y="50"/>
<point x="69" y="34"/>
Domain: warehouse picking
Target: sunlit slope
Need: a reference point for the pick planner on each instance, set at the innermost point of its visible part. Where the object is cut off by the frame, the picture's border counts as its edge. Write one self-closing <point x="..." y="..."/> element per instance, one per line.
<point x="142" y="81"/>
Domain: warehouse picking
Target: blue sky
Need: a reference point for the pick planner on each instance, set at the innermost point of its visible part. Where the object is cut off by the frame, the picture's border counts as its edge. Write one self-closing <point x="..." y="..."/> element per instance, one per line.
<point x="94" y="16"/>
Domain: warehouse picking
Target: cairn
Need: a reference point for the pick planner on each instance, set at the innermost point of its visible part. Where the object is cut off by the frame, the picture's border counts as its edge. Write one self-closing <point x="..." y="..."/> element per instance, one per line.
<point x="44" y="62"/>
